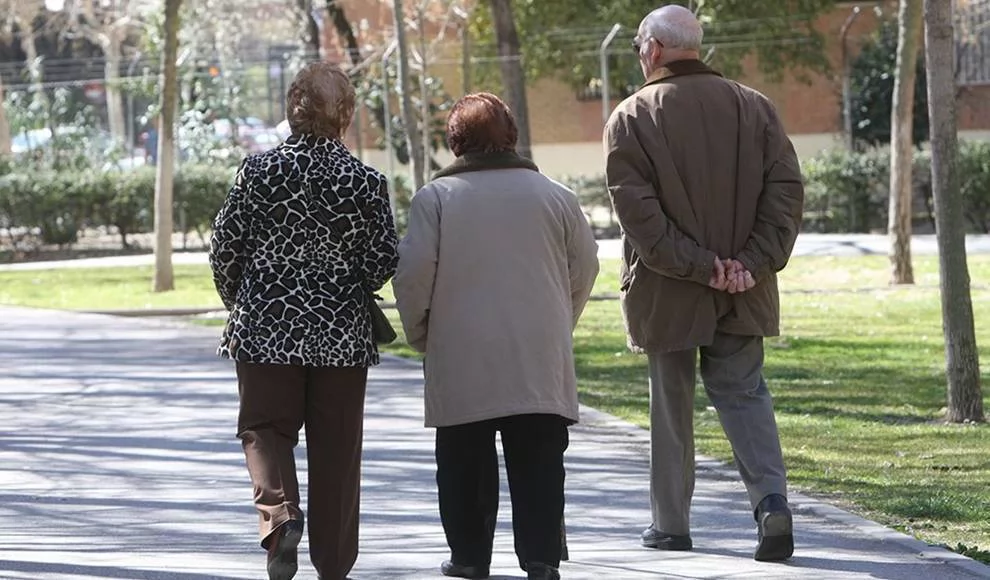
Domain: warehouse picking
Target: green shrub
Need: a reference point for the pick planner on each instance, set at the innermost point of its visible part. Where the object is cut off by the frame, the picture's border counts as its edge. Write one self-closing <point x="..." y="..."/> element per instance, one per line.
<point x="849" y="192"/>
<point x="57" y="205"/>
<point x="974" y="183"/>
<point x="846" y="192"/>
<point x="200" y="190"/>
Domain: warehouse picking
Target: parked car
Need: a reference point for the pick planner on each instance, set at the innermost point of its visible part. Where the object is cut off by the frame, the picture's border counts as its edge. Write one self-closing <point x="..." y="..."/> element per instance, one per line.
<point x="73" y="144"/>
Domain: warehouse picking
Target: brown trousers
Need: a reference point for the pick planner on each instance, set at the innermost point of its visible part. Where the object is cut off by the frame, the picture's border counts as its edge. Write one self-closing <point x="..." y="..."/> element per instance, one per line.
<point x="276" y="401"/>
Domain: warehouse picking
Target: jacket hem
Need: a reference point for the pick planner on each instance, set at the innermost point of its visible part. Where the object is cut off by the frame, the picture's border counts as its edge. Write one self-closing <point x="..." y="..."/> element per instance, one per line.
<point x="570" y="414"/>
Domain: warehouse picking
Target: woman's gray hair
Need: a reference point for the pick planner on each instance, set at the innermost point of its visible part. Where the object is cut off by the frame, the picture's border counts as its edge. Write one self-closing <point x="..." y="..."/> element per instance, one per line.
<point x="674" y="26"/>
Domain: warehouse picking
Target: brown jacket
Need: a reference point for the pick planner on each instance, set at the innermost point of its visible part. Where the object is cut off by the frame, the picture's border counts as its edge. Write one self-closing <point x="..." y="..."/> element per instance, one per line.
<point x="697" y="167"/>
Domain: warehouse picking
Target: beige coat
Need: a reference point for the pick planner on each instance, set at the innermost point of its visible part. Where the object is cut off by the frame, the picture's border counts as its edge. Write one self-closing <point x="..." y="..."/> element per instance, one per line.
<point x="699" y="166"/>
<point x="493" y="274"/>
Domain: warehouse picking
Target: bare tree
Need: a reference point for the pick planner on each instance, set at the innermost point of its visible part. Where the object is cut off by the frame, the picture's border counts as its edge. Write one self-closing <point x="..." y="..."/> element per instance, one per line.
<point x="901" y="144"/>
<point x="513" y="77"/>
<point x="22" y="15"/>
<point x="107" y="23"/>
<point x="309" y="29"/>
<point x="413" y="141"/>
<point x="4" y="124"/>
<point x="965" y="399"/>
<point x="163" y="277"/>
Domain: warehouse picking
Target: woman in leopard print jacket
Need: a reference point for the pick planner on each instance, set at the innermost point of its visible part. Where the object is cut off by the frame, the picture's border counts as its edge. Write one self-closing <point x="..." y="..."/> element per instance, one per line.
<point x="304" y="238"/>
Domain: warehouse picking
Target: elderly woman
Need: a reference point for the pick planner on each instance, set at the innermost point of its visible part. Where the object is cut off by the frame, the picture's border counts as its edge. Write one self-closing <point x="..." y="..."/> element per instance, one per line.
<point x="303" y="240"/>
<point x="497" y="266"/>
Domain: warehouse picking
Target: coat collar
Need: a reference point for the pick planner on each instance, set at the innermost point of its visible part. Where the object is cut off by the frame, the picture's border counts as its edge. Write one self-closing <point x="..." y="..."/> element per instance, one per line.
<point x="298" y="143"/>
<point x="484" y="161"/>
<point x="679" y="68"/>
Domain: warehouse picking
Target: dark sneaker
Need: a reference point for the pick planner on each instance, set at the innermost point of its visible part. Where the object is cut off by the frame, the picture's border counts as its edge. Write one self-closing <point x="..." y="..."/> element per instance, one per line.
<point x="775" y="529"/>
<point x="448" y="568"/>
<point x="283" y="558"/>
<point x="654" y="538"/>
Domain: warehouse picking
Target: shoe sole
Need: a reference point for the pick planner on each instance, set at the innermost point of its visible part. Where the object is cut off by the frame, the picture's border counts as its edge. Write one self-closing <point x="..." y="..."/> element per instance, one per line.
<point x="675" y="546"/>
<point x="458" y="573"/>
<point x="281" y="568"/>
<point x="776" y="539"/>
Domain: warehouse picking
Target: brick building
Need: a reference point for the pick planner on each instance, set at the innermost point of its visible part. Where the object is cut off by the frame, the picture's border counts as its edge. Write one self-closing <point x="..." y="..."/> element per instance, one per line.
<point x="566" y="129"/>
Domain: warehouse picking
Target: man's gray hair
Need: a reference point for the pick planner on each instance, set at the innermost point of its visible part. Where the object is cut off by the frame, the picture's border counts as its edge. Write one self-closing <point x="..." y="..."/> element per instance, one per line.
<point x="674" y="26"/>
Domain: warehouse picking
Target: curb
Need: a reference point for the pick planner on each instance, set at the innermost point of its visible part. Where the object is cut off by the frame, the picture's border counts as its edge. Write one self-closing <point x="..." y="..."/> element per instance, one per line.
<point x="153" y="312"/>
<point x="807" y="504"/>
<point x="178" y="311"/>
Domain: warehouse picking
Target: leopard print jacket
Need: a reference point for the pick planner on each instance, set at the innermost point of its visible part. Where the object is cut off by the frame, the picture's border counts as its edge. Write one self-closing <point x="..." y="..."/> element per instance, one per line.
<point x="303" y="240"/>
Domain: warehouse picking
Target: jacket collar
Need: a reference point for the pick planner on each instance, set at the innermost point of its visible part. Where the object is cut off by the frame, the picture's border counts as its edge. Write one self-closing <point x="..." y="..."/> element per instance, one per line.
<point x="484" y="161"/>
<point x="679" y="68"/>
<point x="298" y="143"/>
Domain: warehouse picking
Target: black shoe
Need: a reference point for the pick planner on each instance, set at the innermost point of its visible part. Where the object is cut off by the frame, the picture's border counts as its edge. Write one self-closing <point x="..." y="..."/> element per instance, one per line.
<point x="448" y="568"/>
<point x="541" y="571"/>
<point x="654" y="538"/>
<point x="775" y="529"/>
<point x="282" y="550"/>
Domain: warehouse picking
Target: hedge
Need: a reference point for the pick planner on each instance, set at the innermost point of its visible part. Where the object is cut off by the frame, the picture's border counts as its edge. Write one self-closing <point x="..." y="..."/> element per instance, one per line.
<point x="846" y="192"/>
<point x="849" y="192"/>
<point x="57" y="205"/>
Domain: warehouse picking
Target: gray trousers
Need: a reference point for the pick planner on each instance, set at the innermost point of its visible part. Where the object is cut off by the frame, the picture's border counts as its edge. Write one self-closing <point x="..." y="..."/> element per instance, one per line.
<point x="732" y="372"/>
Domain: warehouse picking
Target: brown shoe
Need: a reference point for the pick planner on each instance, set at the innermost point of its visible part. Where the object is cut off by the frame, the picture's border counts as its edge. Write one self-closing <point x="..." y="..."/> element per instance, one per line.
<point x="283" y="557"/>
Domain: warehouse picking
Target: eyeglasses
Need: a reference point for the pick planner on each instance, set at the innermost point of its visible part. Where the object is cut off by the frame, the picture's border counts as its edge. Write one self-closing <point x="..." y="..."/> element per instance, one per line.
<point x="638" y="45"/>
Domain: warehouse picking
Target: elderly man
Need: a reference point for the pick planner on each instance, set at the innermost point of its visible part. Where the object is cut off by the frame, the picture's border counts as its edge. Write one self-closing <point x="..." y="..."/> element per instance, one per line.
<point x="708" y="192"/>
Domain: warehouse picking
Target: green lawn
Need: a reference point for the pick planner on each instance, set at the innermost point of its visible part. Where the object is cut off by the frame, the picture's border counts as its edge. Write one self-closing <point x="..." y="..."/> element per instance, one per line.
<point x="857" y="377"/>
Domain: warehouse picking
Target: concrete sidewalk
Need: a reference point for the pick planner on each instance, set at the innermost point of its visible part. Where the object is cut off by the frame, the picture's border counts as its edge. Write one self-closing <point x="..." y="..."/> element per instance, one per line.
<point x="118" y="460"/>
<point x="807" y="245"/>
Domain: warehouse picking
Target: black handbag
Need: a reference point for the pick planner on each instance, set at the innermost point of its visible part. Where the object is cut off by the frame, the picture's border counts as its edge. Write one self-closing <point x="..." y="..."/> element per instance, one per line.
<point x="381" y="328"/>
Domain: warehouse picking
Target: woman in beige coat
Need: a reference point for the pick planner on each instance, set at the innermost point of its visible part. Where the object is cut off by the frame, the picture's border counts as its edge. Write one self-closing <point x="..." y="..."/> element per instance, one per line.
<point x="496" y="268"/>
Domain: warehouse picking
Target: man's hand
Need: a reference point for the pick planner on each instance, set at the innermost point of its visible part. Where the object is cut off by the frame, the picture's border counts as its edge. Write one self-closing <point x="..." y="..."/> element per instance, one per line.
<point x="718" y="281"/>
<point x="737" y="277"/>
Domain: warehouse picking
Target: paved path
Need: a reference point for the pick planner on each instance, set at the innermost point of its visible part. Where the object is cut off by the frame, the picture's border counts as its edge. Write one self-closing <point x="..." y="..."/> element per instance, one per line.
<point x="807" y="245"/>
<point x="118" y="460"/>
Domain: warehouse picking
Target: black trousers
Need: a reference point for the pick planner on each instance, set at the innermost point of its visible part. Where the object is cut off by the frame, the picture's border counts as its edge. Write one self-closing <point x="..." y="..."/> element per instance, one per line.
<point x="468" y="484"/>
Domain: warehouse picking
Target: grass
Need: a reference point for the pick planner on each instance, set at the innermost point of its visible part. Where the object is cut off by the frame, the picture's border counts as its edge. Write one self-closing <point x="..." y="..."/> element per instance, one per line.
<point x="857" y="376"/>
<point x="106" y="288"/>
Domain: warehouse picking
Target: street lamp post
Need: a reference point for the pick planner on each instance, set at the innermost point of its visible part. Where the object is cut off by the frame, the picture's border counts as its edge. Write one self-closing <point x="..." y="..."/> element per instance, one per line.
<point x="847" y="132"/>
<point x="387" y="106"/>
<point x="606" y="97"/>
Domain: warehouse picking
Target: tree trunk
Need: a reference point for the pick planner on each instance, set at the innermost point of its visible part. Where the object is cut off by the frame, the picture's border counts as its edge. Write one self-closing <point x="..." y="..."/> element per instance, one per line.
<point x="4" y="124"/>
<point x="310" y="31"/>
<point x="901" y="144"/>
<point x="30" y="48"/>
<point x="965" y="400"/>
<point x="164" y="279"/>
<point x="405" y="98"/>
<point x="115" y="99"/>
<point x="425" y="118"/>
<point x="513" y="77"/>
<point x="344" y="30"/>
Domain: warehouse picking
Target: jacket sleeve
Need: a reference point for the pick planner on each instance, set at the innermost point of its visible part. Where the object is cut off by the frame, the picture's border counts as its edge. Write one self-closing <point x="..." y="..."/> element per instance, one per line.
<point x="779" y="209"/>
<point x="418" y="255"/>
<point x="659" y="243"/>
<point x="582" y="257"/>
<point x="228" y="244"/>
<point x="380" y="255"/>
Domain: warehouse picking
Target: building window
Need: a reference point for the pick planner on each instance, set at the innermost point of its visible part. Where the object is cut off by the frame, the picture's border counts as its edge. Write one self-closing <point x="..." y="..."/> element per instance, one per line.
<point x="973" y="42"/>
